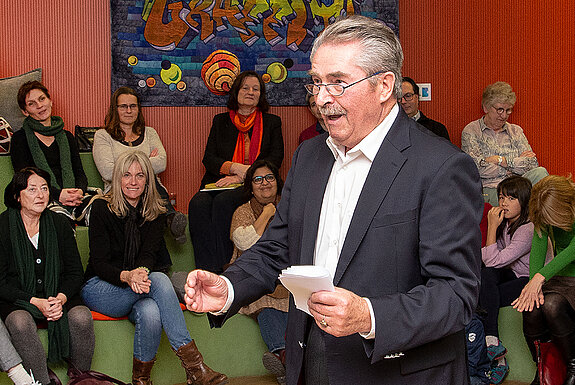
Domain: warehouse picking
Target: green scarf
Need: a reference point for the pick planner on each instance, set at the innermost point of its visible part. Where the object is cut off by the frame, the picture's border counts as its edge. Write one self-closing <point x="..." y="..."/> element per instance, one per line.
<point x="58" y="331"/>
<point x="56" y="129"/>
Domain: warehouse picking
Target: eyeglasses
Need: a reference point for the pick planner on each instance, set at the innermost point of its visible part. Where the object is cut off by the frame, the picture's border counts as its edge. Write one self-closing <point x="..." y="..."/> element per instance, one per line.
<point x="501" y="110"/>
<point x="260" y="179"/>
<point x="334" y="89"/>
<point x="124" y="107"/>
<point x="407" y="97"/>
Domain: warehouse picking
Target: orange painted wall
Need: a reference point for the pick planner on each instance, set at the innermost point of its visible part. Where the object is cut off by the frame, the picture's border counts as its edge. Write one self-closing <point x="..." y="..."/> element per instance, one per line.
<point x="457" y="46"/>
<point x="462" y="46"/>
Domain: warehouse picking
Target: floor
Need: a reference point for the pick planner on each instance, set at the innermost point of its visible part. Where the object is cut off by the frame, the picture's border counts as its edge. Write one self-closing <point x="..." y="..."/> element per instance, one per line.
<point x="263" y="380"/>
<point x="270" y="380"/>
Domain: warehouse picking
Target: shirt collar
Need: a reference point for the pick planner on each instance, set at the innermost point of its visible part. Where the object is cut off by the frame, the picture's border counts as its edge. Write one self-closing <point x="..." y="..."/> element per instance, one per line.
<point x="416" y="116"/>
<point x="369" y="146"/>
<point x="484" y="127"/>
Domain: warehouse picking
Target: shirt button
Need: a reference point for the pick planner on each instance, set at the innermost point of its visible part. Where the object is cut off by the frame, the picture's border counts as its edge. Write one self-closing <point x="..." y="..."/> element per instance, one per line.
<point x="334" y="242"/>
<point x="39" y="281"/>
<point x="38" y="261"/>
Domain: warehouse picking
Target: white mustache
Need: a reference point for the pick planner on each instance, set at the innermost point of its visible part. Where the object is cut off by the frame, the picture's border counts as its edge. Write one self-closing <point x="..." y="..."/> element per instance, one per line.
<point x="331" y="110"/>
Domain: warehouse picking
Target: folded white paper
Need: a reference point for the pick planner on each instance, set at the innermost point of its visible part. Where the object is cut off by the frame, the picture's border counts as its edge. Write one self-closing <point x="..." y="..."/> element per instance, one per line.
<point x="304" y="280"/>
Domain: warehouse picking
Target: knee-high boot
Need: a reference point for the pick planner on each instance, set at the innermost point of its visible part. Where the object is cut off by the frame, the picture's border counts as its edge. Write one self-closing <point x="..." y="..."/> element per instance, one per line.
<point x="197" y="372"/>
<point x="533" y="351"/>
<point x="566" y="345"/>
<point x="141" y="372"/>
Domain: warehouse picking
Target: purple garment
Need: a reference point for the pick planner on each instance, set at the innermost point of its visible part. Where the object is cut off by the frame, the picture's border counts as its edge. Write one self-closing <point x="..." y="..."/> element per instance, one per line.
<point x="511" y="252"/>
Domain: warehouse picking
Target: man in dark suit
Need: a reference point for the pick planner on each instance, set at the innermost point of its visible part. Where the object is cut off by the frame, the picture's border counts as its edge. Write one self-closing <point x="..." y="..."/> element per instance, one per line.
<point x="409" y="101"/>
<point x="390" y="210"/>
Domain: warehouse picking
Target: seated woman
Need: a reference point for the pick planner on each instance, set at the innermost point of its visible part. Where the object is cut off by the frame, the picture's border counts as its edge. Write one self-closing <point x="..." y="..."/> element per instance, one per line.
<point x="263" y="187"/>
<point x="10" y="361"/>
<point x="40" y="278"/>
<point x="548" y="300"/>
<point x="125" y="130"/>
<point x="43" y="143"/>
<point x="506" y="257"/>
<point x="499" y="148"/>
<point x="126" y="232"/>
<point x="237" y="139"/>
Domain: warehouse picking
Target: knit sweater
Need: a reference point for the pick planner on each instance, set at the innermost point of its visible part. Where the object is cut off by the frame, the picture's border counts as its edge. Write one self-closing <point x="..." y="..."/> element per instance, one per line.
<point x="106" y="150"/>
<point x="563" y="264"/>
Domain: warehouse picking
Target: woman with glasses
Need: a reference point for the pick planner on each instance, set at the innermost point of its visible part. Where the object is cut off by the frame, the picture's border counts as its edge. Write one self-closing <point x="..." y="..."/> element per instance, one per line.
<point x="263" y="188"/>
<point x="125" y="130"/>
<point x="499" y="148"/>
<point x="44" y="143"/>
<point x="40" y="279"/>
<point x="237" y="139"/>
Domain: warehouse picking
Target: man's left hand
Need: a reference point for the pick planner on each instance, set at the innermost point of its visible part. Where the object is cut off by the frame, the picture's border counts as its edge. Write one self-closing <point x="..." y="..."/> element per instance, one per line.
<point x="340" y="312"/>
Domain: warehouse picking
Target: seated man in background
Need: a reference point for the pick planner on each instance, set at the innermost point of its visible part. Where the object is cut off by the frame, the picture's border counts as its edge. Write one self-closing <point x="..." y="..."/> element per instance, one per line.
<point x="317" y="128"/>
<point x="499" y="148"/>
<point x="410" y="103"/>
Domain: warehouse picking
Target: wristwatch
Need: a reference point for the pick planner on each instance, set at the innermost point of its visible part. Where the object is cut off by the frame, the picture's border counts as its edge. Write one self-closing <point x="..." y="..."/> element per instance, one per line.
<point x="500" y="160"/>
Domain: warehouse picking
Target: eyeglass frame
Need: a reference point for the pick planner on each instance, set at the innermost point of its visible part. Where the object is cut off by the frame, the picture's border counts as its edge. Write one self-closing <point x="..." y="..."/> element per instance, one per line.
<point x="407" y="99"/>
<point x="501" y="110"/>
<point x="268" y="178"/>
<point x="124" y="107"/>
<point x="327" y="85"/>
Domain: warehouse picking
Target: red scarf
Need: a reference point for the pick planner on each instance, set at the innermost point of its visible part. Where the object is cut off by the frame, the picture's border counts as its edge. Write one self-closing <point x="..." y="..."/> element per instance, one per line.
<point x="255" y="120"/>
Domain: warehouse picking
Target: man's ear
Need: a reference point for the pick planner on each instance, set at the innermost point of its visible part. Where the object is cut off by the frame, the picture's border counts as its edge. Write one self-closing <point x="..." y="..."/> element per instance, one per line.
<point x="387" y="84"/>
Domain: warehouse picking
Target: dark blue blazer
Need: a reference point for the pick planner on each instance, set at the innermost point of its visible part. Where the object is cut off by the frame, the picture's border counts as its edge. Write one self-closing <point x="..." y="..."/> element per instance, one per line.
<point x="412" y="248"/>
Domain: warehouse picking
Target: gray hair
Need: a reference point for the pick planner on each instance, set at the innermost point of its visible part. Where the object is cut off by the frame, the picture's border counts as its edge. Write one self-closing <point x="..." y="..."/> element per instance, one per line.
<point x="381" y="48"/>
<point x="498" y="92"/>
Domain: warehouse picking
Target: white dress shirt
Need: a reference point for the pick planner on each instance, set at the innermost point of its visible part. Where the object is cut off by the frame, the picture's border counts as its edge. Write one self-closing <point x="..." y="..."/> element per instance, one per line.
<point x="342" y="192"/>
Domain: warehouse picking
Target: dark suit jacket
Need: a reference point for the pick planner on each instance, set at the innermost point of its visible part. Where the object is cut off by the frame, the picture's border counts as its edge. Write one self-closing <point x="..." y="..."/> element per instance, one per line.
<point x="433" y="126"/>
<point x="412" y="248"/>
<point x="222" y="143"/>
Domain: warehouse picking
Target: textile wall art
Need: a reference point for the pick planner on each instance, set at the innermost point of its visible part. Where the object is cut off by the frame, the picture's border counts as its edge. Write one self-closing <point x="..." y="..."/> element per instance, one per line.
<point x="188" y="52"/>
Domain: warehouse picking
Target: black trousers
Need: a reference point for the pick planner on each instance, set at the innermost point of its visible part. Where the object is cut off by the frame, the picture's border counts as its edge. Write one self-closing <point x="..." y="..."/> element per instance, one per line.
<point x="499" y="287"/>
<point x="210" y="216"/>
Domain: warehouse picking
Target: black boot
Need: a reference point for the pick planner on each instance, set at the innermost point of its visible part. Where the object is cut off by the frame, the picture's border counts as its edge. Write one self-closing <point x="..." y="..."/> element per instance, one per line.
<point x="533" y="351"/>
<point x="566" y="345"/>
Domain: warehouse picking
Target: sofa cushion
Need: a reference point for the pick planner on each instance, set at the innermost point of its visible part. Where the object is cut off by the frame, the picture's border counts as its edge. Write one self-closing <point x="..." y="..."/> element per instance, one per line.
<point x="9" y="87"/>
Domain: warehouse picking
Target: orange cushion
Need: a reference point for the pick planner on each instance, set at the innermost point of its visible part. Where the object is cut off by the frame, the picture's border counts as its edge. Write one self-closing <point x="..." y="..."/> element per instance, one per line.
<point x="102" y="317"/>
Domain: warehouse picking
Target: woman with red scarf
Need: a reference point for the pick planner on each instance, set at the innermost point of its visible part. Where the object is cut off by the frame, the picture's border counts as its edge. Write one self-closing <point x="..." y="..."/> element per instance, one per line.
<point x="237" y="138"/>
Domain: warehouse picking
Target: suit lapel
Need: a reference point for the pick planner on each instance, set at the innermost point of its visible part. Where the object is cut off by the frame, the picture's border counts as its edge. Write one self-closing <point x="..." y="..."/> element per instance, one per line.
<point x="318" y="178"/>
<point x="383" y="171"/>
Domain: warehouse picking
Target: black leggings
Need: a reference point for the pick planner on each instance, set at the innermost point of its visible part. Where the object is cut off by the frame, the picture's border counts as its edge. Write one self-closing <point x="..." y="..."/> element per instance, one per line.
<point x="499" y="287"/>
<point x="555" y="319"/>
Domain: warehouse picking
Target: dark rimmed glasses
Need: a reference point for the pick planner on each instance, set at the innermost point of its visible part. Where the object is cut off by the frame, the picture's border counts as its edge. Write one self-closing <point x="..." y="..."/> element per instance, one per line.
<point x="501" y="110"/>
<point x="408" y="97"/>
<point x="334" y="89"/>
<point x="260" y="179"/>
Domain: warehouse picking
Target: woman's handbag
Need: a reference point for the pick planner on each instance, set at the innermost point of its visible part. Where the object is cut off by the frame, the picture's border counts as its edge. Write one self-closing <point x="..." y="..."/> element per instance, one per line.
<point x="91" y="377"/>
<point x="550" y="364"/>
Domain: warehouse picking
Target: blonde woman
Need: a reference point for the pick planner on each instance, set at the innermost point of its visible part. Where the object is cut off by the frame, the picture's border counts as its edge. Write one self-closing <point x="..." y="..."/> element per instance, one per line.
<point x="548" y="299"/>
<point x="126" y="233"/>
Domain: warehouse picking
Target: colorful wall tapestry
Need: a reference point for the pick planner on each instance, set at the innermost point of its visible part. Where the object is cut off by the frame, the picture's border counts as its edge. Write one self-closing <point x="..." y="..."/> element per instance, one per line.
<point x="188" y="52"/>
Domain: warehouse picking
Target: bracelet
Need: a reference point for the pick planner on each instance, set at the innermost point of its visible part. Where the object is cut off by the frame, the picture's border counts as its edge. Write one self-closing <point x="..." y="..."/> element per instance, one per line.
<point x="144" y="268"/>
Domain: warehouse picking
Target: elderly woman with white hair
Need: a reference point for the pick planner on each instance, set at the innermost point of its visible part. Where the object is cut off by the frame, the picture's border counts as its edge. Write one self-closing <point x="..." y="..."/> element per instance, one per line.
<point x="126" y="230"/>
<point x="499" y="148"/>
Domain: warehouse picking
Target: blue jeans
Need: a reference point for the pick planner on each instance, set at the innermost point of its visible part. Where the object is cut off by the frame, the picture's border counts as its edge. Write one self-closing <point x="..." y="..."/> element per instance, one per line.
<point x="149" y="312"/>
<point x="273" y="324"/>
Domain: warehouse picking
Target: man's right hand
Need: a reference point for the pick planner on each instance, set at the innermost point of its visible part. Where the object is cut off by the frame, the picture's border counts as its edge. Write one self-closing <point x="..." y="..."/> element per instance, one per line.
<point x="205" y="292"/>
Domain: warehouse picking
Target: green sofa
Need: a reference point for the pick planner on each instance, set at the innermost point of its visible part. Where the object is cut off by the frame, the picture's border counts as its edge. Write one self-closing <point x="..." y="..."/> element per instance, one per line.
<point x="236" y="349"/>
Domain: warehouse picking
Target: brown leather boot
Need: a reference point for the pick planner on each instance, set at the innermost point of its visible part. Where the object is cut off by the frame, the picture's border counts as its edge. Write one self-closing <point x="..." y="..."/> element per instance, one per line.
<point x="197" y="372"/>
<point x="141" y="372"/>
